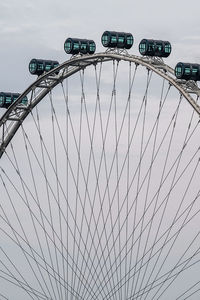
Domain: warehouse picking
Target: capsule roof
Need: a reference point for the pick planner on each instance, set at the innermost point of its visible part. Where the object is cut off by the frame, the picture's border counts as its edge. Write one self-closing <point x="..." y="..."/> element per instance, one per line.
<point x="155" y="48"/>
<point x="113" y="39"/>
<point x="76" y="46"/>
<point x="39" y="66"/>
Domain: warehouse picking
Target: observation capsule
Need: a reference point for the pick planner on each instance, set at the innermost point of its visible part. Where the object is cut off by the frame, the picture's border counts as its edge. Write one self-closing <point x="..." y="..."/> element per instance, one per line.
<point x="39" y="66"/>
<point x="113" y="39"/>
<point x="6" y="99"/>
<point x="187" y="71"/>
<point x="76" y="46"/>
<point x="155" y="48"/>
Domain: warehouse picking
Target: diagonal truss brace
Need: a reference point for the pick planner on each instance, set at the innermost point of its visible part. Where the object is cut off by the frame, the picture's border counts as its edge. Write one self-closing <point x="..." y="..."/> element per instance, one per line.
<point x="17" y="112"/>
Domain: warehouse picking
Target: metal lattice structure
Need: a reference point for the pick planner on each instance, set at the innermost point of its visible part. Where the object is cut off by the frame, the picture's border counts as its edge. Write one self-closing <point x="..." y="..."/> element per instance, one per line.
<point x="100" y="183"/>
<point x="16" y="114"/>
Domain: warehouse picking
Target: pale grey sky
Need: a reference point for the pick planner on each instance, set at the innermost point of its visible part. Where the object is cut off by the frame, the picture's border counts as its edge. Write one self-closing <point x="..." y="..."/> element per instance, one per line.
<point x="39" y="28"/>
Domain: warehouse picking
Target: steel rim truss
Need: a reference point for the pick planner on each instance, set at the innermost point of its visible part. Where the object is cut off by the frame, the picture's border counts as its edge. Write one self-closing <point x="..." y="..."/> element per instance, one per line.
<point x="16" y="113"/>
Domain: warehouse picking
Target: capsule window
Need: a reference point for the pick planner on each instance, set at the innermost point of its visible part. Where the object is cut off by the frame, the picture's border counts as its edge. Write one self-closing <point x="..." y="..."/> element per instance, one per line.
<point x="167" y="48"/>
<point x="178" y="71"/>
<point x="142" y="48"/>
<point x="92" y="47"/>
<point x="129" y="40"/>
<point x="76" y="46"/>
<point x="33" y="67"/>
<point x="15" y="98"/>
<point x="121" y="39"/>
<point x="151" y="46"/>
<point x="194" y="70"/>
<point x="113" y="39"/>
<point x="187" y="70"/>
<point x="24" y="100"/>
<point x="159" y="47"/>
<point x="56" y="65"/>
<point x="8" y="99"/>
<point x="67" y="46"/>
<point x="84" y="47"/>
<point x="105" y="39"/>
<point x="48" y="67"/>
<point x="40" y="66"/>
<point x="1" y="100"/>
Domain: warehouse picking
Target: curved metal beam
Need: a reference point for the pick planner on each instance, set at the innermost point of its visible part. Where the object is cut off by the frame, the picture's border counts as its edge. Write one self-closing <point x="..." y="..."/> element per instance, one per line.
<point x="16" y="113"/>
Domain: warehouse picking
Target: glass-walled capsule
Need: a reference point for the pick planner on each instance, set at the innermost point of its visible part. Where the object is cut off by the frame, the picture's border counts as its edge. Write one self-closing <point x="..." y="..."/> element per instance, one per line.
<point x="113" y="39"/>
<point x="91" y="47"/>
<point x="6" y="99"/>
<point x="77" y="46"/>
<point x="39" y="66"/>
<point x="72" y="46"/>
<point x="155" y="48"/>
<point x="187" y="71"/>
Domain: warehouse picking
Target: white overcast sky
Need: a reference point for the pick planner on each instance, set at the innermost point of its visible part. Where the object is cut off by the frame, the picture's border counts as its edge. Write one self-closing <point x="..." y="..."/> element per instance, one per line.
<point x="38" y="28"/>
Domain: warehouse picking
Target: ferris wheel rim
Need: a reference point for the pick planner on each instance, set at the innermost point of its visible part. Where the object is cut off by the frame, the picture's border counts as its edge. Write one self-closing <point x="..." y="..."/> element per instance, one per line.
<point x="17" y="113"/>
<point x="78" y="64"/>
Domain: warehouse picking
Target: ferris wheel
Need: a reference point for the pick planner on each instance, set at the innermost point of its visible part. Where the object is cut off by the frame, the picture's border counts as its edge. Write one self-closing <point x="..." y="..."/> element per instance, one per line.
<point x="99" y="177"/>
